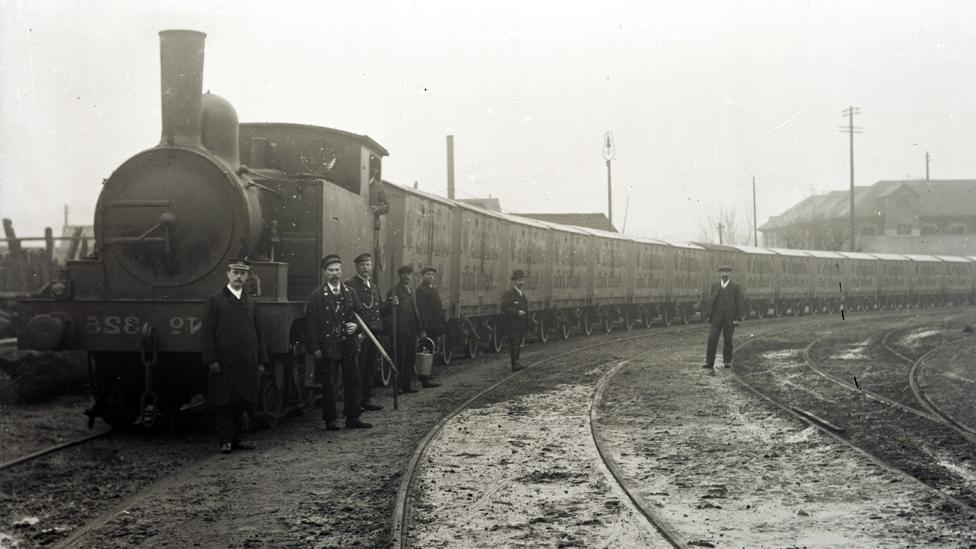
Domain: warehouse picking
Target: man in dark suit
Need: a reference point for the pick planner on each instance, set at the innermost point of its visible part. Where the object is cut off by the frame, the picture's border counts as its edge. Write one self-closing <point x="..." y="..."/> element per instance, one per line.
<point x="725" y="311"/>
<point x="330" y="326"/>
<point x="431" y="313"/>
<point x="400" y="303"/>
<point x="369" y="356"/>
<point x="232" y="349"/>
<point x="515" y="308"/>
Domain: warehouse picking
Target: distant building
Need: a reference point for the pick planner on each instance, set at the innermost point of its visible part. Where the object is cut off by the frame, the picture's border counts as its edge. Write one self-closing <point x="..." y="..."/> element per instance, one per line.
<point x="589" y="220"/>
<point x="917" y="216"/>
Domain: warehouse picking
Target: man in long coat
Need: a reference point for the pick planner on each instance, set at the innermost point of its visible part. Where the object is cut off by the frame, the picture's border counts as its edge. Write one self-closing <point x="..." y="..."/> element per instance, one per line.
<point x="515" y="308"/>
<point x="234" y="352"/>
<point x="330" y="326"/>
<point x="369" y="356"/>
<point x="431" y="313"/>
<point x="725" y="311"/>
<point x="400" y="303"/>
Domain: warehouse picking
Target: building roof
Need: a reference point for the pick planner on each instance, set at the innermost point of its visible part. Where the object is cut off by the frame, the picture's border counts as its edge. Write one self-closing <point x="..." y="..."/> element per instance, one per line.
<point x="588" y="220"/>
<point x="944" y="197"/>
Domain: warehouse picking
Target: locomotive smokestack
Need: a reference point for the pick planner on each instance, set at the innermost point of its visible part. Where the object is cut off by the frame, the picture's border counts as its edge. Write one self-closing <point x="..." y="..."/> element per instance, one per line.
<point x="181" y="63"/>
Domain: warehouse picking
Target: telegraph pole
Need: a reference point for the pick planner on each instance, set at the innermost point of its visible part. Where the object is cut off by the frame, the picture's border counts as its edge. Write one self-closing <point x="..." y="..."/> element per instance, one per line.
<point x="851" y="129"/>
<point x="450" y="167"/>
<point x="755" y="233"/>
<point x="720" y="227"/>
<point x="928" y="157"/>
<point x="608" y="153"/>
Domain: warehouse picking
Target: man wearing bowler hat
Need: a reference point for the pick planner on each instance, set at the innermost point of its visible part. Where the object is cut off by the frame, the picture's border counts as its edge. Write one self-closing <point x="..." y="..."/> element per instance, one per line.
<point x="369" y="356"/>
<point x="232" y="348"/>
<point x="515" y="307"/>
<point x="330" y="328"/>
<point x="401" y="302"/>
<point x="431" y="312"/>
<point x="725" y="311"/>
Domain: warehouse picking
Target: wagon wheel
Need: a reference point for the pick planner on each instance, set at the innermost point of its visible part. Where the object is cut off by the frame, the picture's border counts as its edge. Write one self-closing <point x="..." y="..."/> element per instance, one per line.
<point x="542" y="330"/>
<point x="814" y="307"/>
<point x="761" y="310"/>
<point x="446" y="350"/>
<point x="564" y="330"/>
<point x="496" y="337"/>
<point x="685" y="316"/>
<point x="607" y="323"/>
<point x="666" y="314"/>
<point x="273" y="393"/>
<point x="628" y="320"/>
<point x="587" y="323"/>
<point x="796" y="308"/>
<point x="778" y="309"/>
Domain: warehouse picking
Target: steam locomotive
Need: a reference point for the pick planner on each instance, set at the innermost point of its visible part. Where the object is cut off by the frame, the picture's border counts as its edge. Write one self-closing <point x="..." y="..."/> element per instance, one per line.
<point x="284" y="195"/>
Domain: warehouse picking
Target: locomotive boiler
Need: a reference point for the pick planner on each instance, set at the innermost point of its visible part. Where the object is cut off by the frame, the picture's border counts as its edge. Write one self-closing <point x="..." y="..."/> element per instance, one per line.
<point x="168" y="220"/>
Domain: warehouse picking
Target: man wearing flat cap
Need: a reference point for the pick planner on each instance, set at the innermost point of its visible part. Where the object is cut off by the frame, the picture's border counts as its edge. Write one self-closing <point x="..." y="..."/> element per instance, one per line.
<point x="400" y="303"/>
<point x="232" y="348"/>
<point x="369" y="356"/>
<point x="330" y="328"/>
<point x="725" y="311"/>
<point x="515" y="308"/>
<point x="431" y="313"/>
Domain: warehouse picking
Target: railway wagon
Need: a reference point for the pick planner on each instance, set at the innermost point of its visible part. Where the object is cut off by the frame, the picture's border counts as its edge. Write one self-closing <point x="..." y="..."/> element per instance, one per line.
<point x="959" y="278"/>
<point x="610" y="289"/>
<point x="482" y="276"/>
<point x="861" y="274"/>
<point x="795" y="281"/>
<point x="755" y="269"/>
<point x="567" y="292"/>
<point x="526" y="250"/>
<point x="894" y="280"/>
<point x="651" y="259"/>
<point x="417" y="232"/>
<point x="926" y="276"/>
<point x="827" y="277"/>
<point x="685" y="277"/>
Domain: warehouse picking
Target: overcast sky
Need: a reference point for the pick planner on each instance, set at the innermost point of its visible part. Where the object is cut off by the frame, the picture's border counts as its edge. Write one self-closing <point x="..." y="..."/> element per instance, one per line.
<point x="700" y="96"/>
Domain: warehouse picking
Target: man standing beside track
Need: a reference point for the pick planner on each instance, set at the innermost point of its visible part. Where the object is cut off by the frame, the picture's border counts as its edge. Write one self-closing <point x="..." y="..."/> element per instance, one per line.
<point x="431" y="312"/>
<point x="329" y="328"/>
<point x="725" y="311"/>
<point x="515" y="307"/>
<point x="403" y="307"/>
<point x="369" y="356"/>
<point x="234" y="352"/>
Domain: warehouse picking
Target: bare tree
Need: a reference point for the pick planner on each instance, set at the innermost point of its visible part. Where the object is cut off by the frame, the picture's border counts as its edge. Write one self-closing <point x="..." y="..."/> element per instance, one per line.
<point x="736" y="226"/>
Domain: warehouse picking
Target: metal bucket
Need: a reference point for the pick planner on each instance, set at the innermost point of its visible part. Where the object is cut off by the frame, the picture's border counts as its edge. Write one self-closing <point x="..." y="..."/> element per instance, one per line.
<point x="425" y="357"/>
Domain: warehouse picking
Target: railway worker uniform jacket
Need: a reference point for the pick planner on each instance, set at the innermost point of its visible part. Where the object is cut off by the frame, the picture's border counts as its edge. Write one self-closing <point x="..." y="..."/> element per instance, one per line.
<point x="326" y="315"/>
<point x="369" y="357"/>
<point x="230" y="336"/>
<point x="431" y="311"/>
<point x="515" y="327"/>
<point x="725" y="305"/>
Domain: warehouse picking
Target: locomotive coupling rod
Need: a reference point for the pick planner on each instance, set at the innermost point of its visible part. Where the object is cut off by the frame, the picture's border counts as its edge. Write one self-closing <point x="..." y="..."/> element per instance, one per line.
<point x="376" y="342"/>
<point x="148" y="355"/>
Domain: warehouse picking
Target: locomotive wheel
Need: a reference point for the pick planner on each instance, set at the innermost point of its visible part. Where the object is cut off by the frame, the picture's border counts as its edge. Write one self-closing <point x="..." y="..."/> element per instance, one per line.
<point x="496" y="337"/>
<point x="628" y="320"/>
<point x="273" y="393"/>
<point x="447" y="351"/>
<point x="470" y="347"/>
<point x="564" y="330"/>
<point x="543" y="330"/>
<point x="587" y="323"/>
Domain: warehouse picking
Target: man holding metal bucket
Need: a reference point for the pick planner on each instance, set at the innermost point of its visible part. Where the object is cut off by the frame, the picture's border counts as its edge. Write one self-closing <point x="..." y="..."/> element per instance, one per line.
<point x="432" y="319"/>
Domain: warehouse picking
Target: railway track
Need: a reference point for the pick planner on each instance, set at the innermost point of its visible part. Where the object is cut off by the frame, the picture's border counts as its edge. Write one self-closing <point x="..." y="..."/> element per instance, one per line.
<point x="848" y="438"/>
<point x="402" y="515"/>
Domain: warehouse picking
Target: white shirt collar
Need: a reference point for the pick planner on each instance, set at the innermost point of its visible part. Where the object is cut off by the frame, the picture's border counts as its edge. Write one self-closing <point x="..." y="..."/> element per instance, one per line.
<point x="237" y="293"/>
<point x="333" y="289"/>
<point x="725" y="283"/>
